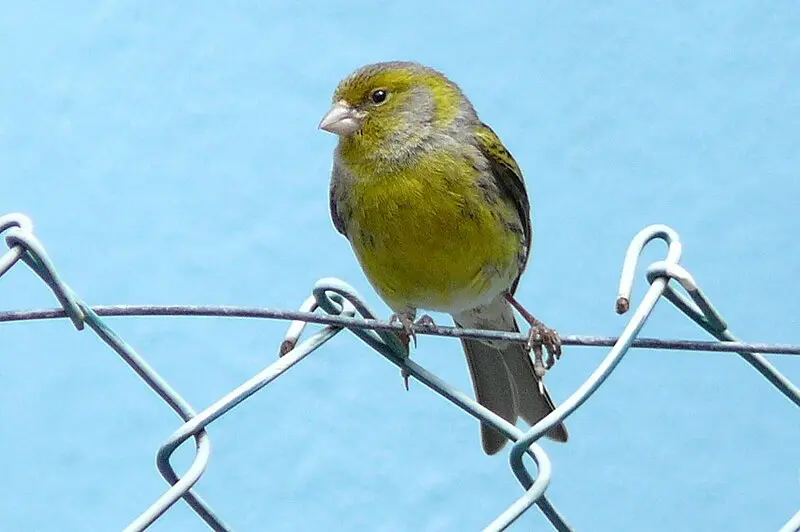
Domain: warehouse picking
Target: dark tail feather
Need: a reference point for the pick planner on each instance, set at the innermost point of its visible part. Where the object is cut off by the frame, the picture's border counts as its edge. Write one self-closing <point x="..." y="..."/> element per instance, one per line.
<point x="503" y="375"/>
<point x="493" y="389"/>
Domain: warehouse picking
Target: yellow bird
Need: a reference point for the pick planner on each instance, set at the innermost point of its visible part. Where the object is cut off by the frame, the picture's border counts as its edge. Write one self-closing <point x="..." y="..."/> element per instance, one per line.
<point x="437" y="213"/>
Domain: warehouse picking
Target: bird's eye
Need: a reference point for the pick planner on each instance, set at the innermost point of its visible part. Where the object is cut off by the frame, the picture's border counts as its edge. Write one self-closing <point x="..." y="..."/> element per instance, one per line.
<point x="378" y="96"/>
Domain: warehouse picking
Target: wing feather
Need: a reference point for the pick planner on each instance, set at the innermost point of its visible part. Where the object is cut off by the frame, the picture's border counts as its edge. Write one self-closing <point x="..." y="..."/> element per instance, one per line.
<point x="510" y="183"/>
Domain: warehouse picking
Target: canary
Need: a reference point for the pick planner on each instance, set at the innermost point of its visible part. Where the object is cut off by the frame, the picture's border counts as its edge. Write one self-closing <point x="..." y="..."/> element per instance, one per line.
<point x="436" y="211"/>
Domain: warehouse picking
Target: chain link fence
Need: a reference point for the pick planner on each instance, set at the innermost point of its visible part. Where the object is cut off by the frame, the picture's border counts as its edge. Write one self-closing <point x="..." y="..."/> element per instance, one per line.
<point x="336" y="306"/>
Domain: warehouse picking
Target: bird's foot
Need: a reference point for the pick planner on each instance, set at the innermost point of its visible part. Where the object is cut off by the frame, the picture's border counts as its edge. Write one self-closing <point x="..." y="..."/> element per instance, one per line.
<point x="407" y="320"/>
<point x="425" y="322"/>
<point x="542" y="336"/>
<point x="407" y="334"/>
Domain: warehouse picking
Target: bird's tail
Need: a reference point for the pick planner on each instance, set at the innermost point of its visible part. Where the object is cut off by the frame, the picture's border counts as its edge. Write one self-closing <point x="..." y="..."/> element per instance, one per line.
<point x="502" y="374"/>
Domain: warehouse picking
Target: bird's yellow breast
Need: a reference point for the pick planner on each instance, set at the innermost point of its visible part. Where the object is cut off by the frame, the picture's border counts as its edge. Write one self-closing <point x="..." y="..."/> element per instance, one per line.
<point x="428" y="236"/>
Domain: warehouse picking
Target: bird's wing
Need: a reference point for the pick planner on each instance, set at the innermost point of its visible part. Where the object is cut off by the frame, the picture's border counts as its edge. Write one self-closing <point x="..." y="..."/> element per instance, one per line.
<point x="509" y="181"/>
<point x="336" y="199"/>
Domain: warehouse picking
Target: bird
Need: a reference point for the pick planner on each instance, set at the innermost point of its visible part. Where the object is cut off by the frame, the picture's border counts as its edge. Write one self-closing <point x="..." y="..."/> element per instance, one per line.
<point x="437" y="214"/>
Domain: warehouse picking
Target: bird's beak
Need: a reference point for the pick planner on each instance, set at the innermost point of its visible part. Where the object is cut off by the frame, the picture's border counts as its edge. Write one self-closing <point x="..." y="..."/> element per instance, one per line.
<point x="340" y="120"/>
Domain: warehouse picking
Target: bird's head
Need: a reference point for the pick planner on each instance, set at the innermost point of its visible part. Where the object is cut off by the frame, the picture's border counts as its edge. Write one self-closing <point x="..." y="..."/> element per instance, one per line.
<point x="388" y="108"/>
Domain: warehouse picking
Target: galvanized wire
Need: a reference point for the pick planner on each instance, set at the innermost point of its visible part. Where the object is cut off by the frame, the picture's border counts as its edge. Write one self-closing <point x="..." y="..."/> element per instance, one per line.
<point x="220" y="311"/>
<point x="344" y="309"/>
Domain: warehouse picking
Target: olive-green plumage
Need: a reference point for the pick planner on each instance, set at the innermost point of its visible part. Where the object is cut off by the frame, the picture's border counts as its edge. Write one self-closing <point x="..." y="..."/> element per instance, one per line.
<point x="437" y="213"/>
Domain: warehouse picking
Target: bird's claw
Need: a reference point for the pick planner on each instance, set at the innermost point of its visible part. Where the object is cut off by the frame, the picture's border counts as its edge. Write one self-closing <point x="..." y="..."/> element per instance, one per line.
<point x="405" y="374"/>
<point x="543" y="336"/>
<point x="408" y="333"/>
<point x="425" y="322"/>
<point x="409" y="324"/>
<point x="408" y="327"/>
<point x="540" y="336"/>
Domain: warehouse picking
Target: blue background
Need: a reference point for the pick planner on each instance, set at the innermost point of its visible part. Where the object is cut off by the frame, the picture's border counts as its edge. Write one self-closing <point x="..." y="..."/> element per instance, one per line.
<point x="169" y="154"/>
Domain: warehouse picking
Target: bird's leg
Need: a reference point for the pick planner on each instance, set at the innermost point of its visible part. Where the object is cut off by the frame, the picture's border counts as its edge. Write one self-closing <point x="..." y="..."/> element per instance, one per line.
<point x="406" y="318"/>
<point x="540" y="335"/>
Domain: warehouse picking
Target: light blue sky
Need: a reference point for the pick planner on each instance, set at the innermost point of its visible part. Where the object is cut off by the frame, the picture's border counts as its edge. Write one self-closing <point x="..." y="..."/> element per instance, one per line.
<point x="169" y="154"/>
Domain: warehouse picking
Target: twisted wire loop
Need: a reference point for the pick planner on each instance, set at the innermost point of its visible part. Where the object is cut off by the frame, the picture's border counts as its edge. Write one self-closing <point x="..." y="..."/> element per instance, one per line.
<point x="702" y="312"/>
<point x="9" y="221"/>
<point x="582" y="394"/>
<point x="23" y="245"/>
<point x="336" y="306"/>
<point x="18" y="229"/>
